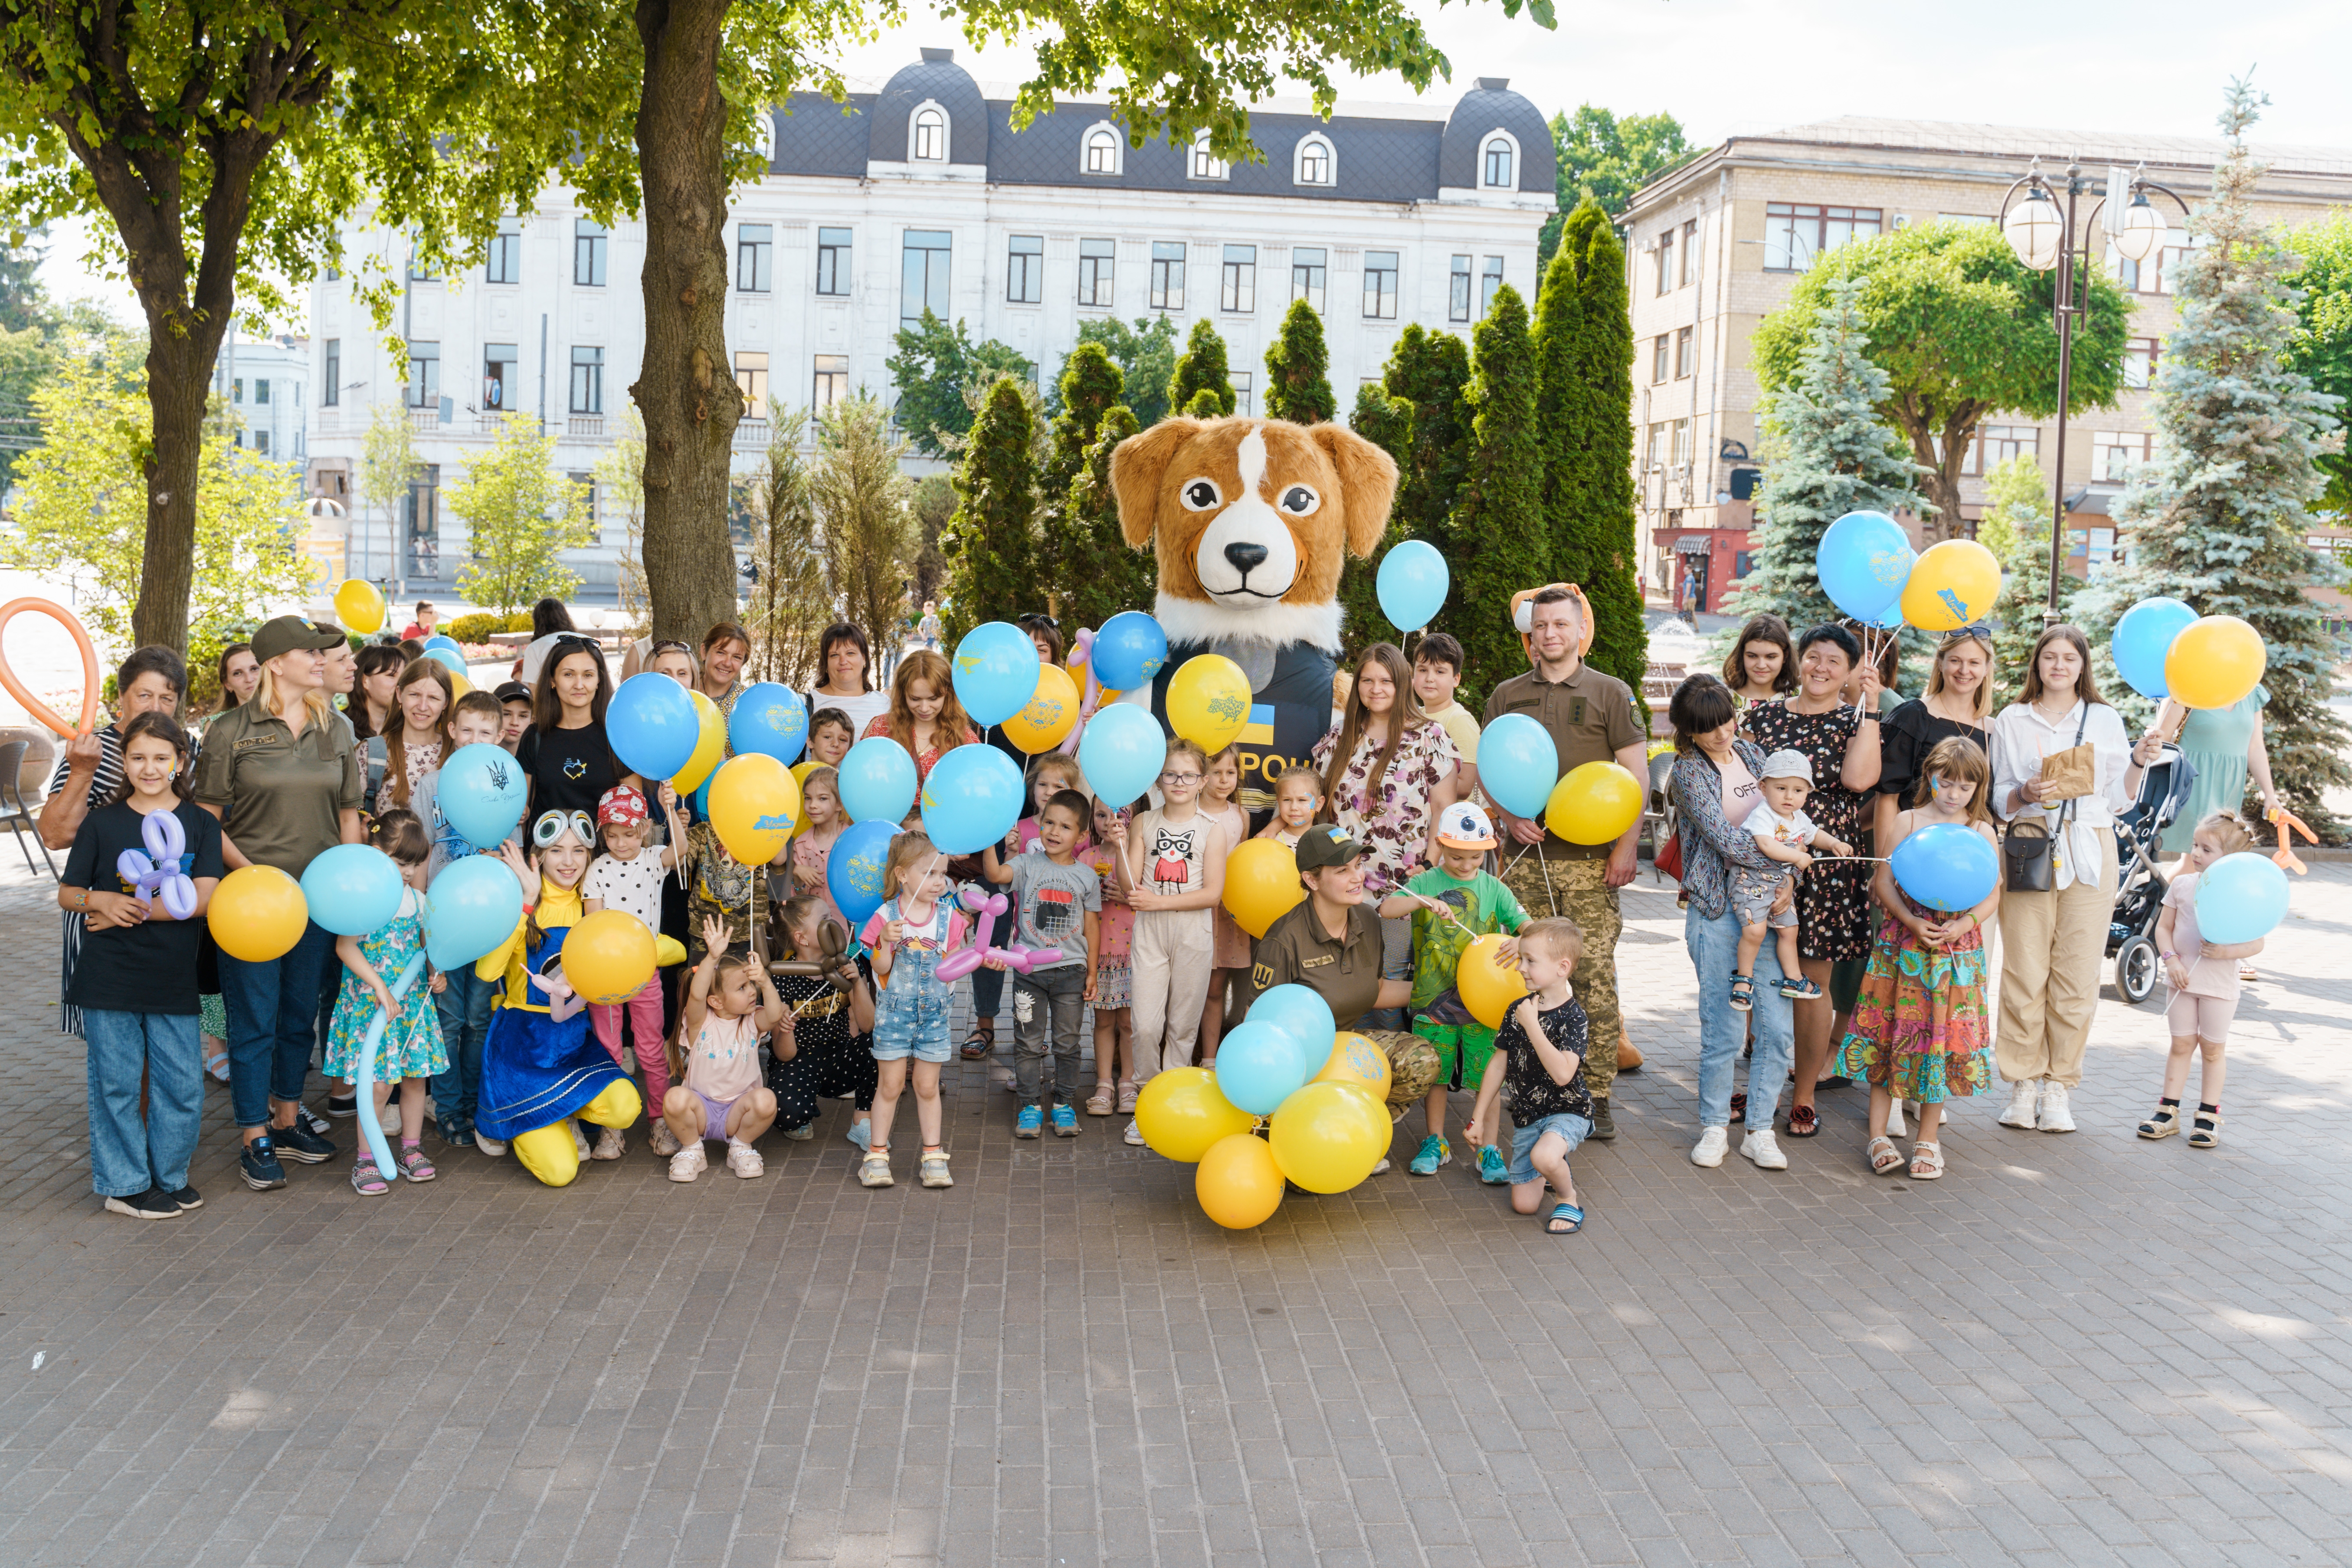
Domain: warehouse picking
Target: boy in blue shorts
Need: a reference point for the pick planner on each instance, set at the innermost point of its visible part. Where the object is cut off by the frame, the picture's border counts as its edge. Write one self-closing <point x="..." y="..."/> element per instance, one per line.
<point x="1539" y="1065"/>
<point x="1452" y="904"/>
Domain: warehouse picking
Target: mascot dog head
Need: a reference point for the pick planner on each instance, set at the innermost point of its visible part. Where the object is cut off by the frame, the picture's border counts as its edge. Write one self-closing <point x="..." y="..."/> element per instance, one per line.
<point x="1252" y="519"/>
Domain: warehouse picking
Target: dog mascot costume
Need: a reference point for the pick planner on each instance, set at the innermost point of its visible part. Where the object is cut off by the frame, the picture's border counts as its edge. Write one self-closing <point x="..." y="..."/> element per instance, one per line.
<point x="1251" y="521"/>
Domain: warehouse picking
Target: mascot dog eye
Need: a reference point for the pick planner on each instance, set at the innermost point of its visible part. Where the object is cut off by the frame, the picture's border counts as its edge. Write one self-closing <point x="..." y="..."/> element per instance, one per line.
<point x="1200" y="495"/>
<point x="1297" y="501"/>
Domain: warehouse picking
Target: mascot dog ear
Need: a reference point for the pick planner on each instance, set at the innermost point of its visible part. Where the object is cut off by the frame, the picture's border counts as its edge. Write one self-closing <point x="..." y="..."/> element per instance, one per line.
<point x="1137" y="465"/>
<point x="1368" y="481"/>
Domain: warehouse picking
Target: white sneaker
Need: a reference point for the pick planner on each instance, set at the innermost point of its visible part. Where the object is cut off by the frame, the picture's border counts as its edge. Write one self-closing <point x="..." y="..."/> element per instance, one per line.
<point x="1379" y="1168"/>
<point x="1135" y="1134"/>
<point x="745" y="1162"/>
<point x="663" y="1140"/>
<point x="2023" y="1095"/>
<point x="1759" y="1147"/>
<point x="2057" y="1116"/>
<point x="578" y="1138"/>
<point x="1895" y="1128"/>
<point x="610" y="1144"/>
<point x="1713" y="1143"/>
<point x="687" y="1162"/>
<point x="489" y="1145"/>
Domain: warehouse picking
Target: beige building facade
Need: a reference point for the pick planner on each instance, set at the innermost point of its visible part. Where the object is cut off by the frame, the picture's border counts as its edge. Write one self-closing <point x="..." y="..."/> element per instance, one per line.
<point x="1714" y="245"/>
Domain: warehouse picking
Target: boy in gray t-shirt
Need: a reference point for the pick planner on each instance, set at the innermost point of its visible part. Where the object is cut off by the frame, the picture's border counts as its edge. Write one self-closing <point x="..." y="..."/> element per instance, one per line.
<point x="1056" y="905"/>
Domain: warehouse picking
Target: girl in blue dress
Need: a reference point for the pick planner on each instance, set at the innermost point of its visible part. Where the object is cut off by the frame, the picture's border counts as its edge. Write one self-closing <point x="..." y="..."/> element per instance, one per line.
<point x="412" y="1050"/>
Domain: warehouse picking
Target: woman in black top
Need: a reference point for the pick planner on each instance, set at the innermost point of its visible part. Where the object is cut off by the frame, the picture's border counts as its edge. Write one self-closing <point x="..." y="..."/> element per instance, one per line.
<point x="1958" y="701"/>
<point x="564" y="751"/>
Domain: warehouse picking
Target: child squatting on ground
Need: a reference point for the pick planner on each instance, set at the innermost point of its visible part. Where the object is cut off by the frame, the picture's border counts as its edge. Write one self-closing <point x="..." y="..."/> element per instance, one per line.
<point x="728" y="1004"/>
<point x="1538" y="1068"/>
<point x="2204" y="982"/>
<point x="1783" y="832"/>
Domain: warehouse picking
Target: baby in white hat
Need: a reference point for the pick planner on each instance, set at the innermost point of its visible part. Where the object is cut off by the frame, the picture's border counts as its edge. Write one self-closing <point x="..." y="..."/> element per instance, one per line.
<point x="1784" y="833"/>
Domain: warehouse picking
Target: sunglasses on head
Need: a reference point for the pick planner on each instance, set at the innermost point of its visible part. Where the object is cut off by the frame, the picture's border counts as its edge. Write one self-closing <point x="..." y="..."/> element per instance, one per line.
<point x="1040" y="619"/>
<point x="1979" y="630"/>
<point x="668" y="645"/>
<point x="553" y="824"/>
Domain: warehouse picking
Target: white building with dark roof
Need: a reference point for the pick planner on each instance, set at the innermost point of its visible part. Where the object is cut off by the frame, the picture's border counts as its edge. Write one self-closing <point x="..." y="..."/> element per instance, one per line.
<point x="919" y="194"/>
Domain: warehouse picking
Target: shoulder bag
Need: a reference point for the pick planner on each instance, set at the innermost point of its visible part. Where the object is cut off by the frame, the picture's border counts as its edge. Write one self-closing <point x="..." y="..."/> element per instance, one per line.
<point x="2025" y="848"/>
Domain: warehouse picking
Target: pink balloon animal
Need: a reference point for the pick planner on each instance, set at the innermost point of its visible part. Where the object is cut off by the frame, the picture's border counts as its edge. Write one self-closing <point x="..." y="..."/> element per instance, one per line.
<point x="976" y="951"/>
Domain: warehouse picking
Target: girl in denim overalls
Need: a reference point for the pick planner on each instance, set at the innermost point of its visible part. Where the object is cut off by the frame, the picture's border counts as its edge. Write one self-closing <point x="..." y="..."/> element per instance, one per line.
<point x="910" y="935"/>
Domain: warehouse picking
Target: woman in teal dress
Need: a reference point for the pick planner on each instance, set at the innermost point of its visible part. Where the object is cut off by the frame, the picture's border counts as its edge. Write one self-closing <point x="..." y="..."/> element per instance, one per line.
<point x="2225" y="746"/>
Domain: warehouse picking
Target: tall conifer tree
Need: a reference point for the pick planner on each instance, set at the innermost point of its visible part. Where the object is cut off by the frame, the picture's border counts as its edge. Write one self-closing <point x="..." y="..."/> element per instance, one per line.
<point x="1299" y="370"/>
<point x="1203" y="385"/>
<point x="1603" y="534"/>
<point x="1494" y="537"/>
<point x="991" y="544"/>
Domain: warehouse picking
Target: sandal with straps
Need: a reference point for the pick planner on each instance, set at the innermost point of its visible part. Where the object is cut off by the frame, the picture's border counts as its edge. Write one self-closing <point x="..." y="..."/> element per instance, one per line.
<point x="416" y="1166"/>
<point x="1566" y="1219"/>
<point x="1804" y="1122"/>
<point x="2164" y="1123"/>
<point x="2205" y="1128"/>
<point x="1743" y="993"/>
<point x="1886" y="1159"/>
<point x="1926" y="1163"/>
<point x="366" y="1180"/>
<point x="1739" y="1106"/>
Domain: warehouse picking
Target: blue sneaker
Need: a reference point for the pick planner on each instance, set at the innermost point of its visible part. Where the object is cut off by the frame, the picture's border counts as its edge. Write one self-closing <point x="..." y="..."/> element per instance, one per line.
<point x="862" y="1134"/>
<point x="1032" y="1123"/>
<point x="259" y="1167"/>
<point x="1434" y="1154"/>
<point x="1491" y="1168"/>
<point x="1066" y="1121"/>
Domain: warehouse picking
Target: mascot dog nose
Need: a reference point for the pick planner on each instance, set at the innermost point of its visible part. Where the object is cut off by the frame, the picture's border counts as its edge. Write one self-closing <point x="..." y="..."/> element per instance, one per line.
<point x="1246" y="556"/>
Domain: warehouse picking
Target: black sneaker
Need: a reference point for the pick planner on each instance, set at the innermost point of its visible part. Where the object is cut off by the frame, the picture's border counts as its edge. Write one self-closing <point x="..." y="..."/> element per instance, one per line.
<point x="258" y="1165"/>
<point x="342" y="1106"/>
<point x="319" y="1125"/>
<point x="187" y="1198"/>
<point x="1604" y="1126"/>
<point x="301" y="1144"/>
<point x="149" y="1204"/>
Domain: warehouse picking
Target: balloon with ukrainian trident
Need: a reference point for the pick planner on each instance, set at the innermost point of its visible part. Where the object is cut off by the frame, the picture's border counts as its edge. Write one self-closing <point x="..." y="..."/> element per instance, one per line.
<point x="1863" y="560"/>
<point x="754" y="806"/>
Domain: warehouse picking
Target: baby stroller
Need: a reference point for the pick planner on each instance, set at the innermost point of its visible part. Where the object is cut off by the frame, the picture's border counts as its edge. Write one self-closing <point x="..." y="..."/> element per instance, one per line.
<point x="2139" y="888"/>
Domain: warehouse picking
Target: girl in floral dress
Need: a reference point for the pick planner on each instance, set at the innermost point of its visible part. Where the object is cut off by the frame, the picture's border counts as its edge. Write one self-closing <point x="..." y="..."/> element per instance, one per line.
<point x="1114" y="981"/>
<point x="1920" y="1029"/>
<point x="411" y="1050"/>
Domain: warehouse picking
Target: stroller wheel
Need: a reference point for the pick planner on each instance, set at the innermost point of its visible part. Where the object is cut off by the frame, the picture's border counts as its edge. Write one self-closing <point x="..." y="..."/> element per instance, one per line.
<point x="2136" y="970"/>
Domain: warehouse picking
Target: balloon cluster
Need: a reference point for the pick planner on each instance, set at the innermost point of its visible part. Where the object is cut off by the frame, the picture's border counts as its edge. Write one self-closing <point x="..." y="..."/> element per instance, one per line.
<point x="1870" y="572"/>
<point x="2163" y="649"/>
<point x="1520" y="766"/>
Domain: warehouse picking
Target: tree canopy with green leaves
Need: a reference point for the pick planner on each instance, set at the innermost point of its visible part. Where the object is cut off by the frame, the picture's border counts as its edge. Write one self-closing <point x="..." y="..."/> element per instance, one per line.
<point x="2322" y="349"/>
<point x="1299" y="370"/>
<point x="1146" y="355"/>
<point x="935" y="371"/>
<point x="1495" y="536"/>
<point x="1203" y="385"/>
<point x="991" y="544"/>
<point x="520" y="515"/>
<point x="1962" y="329"/>
<point x="1599" y="157"/>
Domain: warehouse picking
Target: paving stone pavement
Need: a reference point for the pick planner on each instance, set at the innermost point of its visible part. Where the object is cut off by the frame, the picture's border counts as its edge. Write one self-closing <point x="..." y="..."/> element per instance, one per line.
<point x="2073" y="1351"/>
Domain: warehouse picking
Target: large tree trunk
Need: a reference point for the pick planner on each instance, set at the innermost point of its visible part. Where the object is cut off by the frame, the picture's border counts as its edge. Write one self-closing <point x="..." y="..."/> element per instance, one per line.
<point x="685" y="388"/>
<point x="1940" y="487"/>
<point x="180" y="355"/>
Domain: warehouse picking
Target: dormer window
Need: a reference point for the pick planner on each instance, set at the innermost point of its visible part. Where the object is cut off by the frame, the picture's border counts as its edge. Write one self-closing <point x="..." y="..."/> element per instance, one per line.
<point x="930" y="135"/>
<point x="1316" y="165"/>
<point x="1207" y="166"/>
<point x="1500" y="162"/>
<point x="1102" y="151"/>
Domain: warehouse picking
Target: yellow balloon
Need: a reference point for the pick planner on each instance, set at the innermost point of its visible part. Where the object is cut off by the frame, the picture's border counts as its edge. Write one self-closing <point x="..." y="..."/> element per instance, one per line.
<point x="1181" y="1113"/>
<point x="669" y="949"/>
<point x="458" y="686"/>
<point x="1261" y="884"/>
<point x="1051" y="715"/>
<point x="1595" y="803"/>
<point x="1327" y="1137"/>
<point x="800" y="771"/>
<point x="608" y="956"/>
<point x="753" y="805"/>
<point x="258" y="913"/>
<point x="2215" y="663"/>
<point x="359" y="604"/>
<point x="1238" y="1183"/>
<point x="1209" y="701"/>
<point x="1954" y="584"/>
<point x="1355" y="1060"/>
<point x="1488" y="988"/>
<point x="710" y="746"/>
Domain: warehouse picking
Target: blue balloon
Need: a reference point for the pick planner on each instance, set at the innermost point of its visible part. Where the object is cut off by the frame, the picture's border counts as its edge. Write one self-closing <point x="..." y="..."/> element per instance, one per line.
<point x="470" y="910"/>
<point x="767" y="719"/>
<point x="448" y="659"/>
<point x="1864" y="559"/>
<point x="442" y="639"/>
<point x="1129" y="651"/>
<point x="852" y="871"/>
<point x="2240" y="898"/>
<point x="353" y="888"/>
<point x="995" y="672"/>
<point x="877" y="780"/>
<point x="2142" y="638"/>
<point x="371" y="1044"/>
<point x="652" y="726"/>
<point x="1946" y="867"/>
<point x="1258" y="1066"/>
<point x="481" y="793"/>
<point x="1301" y="1013"/>
<point x="1412" y="585"/>
<point x="1889" y="619"/>
<point x="972" y="799"/>
<point x="1121" y="752"/>
<point x="1519" y="764"/>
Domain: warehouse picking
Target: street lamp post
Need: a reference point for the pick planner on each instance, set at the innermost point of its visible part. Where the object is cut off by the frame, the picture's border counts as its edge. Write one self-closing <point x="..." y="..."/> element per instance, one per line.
<point x="2043" y="238"/>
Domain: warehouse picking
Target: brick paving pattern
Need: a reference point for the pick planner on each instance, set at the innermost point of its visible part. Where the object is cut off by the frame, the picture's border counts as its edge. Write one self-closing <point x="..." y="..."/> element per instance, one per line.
<point x="2073" y="1351"/>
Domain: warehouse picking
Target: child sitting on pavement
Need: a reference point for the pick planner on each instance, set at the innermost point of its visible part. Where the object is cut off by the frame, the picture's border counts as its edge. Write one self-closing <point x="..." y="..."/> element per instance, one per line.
<point x="729" y="1006"/>
<point x="1783" y="832"/>
<point x="1538" y="1063"/>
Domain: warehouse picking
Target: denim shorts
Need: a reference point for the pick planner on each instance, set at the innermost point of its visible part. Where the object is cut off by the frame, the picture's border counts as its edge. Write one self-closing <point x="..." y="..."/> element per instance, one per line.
<point x="1575" y="1128"/>
<point x="915" y="1029"/>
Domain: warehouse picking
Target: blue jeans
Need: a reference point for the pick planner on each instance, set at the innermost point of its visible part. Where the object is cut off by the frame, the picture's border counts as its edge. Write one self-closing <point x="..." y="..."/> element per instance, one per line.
<point x="465" y="1010"/>
<point x="1715" y="951"/>
<point x="273" y="1022"/>
<point x="1053" y="997"/>
<point x="125" y="1158"/>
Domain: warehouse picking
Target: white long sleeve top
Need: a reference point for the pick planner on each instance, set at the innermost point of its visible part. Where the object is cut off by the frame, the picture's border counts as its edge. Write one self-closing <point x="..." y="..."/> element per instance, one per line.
<point x="2021" y="738"/>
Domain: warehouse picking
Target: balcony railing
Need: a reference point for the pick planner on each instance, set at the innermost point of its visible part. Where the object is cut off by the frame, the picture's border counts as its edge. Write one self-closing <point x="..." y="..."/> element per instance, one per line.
<point x="590" y="425"/>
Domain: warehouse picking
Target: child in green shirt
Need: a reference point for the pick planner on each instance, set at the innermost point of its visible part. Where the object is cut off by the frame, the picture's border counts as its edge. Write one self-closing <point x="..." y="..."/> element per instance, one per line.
<point x="1450" y="904"/>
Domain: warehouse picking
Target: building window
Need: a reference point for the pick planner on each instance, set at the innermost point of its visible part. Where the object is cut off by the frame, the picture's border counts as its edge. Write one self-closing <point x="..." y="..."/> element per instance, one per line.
<point x="751" y="380"/>
<point x="2115" y="453"/>
<point x="1457" y="289"/>
<point x="421" y="271"/>
<point x="261" y="442"/>
<point x="832" y="383"/>
<point x="923" y="277"/>
<point x="833" y="261"/>
<point x="1102" y="151"/>
<point x="588" y="253"/>
<point x="1650" y="449"/>
<point x="2170" y="260"/>
<point x="1381" y="285"/>
<point x="587" y="381"/>
<point x="586" y="481"/>
<point x="1167" y="275"/>
<point x="261" y="390"/>
<point x="1690" y="251"/>
<point x="1315" y="162"/>
<point x="1682" y="345"/>
<point x="1665" y="278"/>
<point x="1989" y="446"/>
<point x="930" y="142"/>
<point x="1682" y="443"/>
<point x="1795" y="233"/>
<point x="1207" y="166"/>
<point x="330" y="382"/>
<point x="422" y="518"/>
<point x="425" y="376"/>
<point x="1500" y="159"/>
<point x="1239" y="381"/>
<point x="1658" y="358"/>
<point x="1097" y="272"/>
<point x="1309" y="270"/>
<point x="501" y="376"/>
<point x="1489" y="280"/>
<point x="504" y="263"/>
<point x="755" y="258"/>
<point x="1237" y="286"/>
<point x="1025" y="270"/>
<point x="2140" y="355"/>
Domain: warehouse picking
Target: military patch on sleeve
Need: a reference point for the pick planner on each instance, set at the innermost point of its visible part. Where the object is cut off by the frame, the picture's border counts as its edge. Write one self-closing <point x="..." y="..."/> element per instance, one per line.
<point x="1262" y="974"/>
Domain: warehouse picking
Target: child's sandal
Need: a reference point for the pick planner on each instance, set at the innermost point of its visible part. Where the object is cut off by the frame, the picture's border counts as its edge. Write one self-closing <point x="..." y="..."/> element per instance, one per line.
<point x="2205" y="1128"/>
<point x="1743" y="993"/>
<point x="367" y="1181"/>
<point x="1927" y="1162"/>
<point x="416" y="1166"/>
<point x="1127" y="1099"/>
<point x="2165" y="1122"/>
<point x="1101" y="1100"/>
<point x="1566" y="1219"/>
<point x="1886" y="1159"/>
